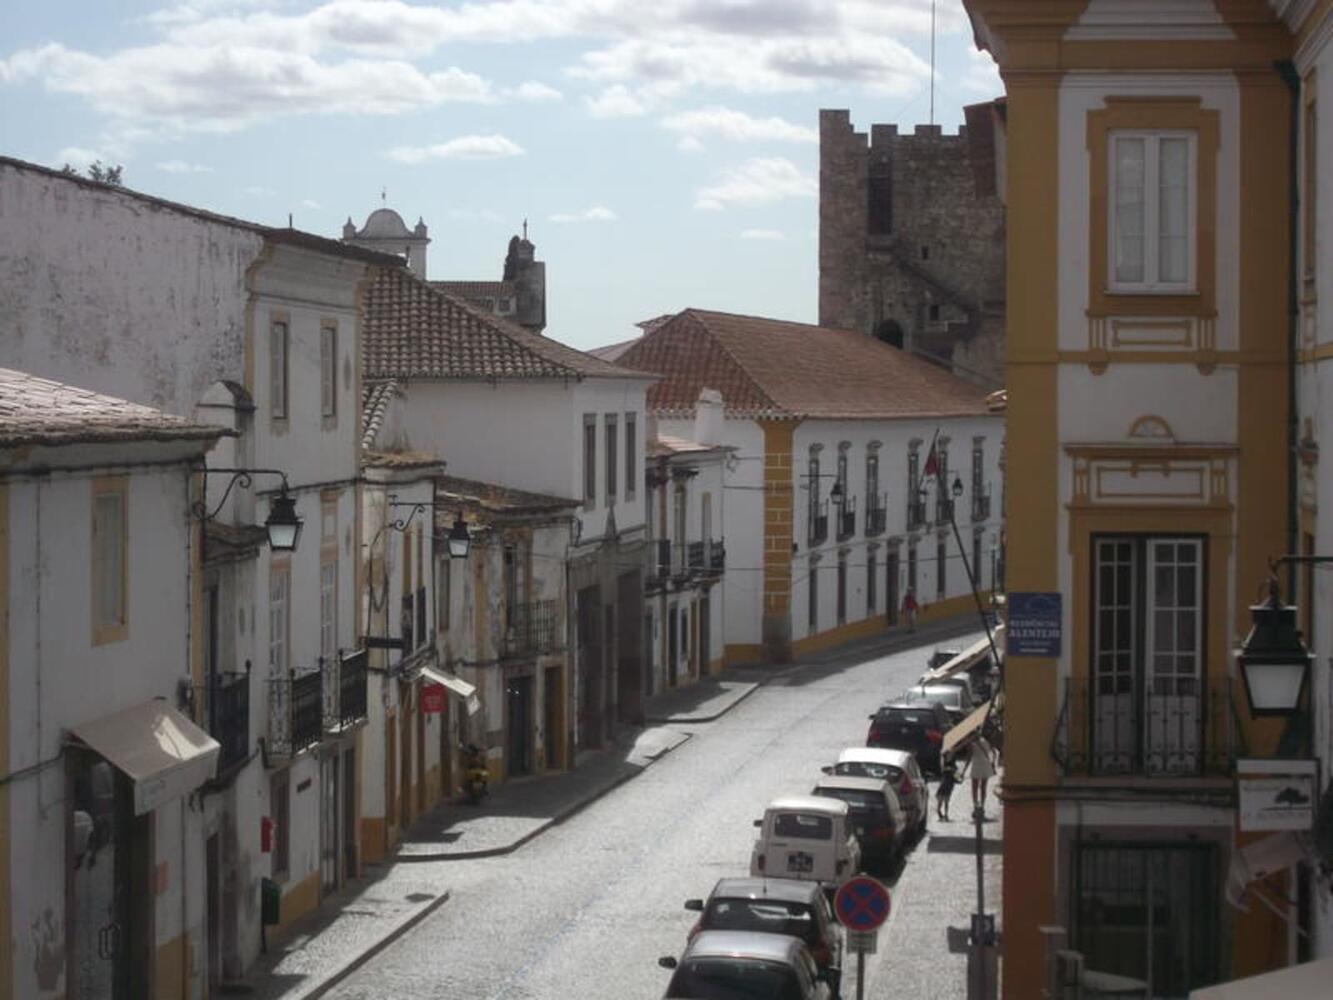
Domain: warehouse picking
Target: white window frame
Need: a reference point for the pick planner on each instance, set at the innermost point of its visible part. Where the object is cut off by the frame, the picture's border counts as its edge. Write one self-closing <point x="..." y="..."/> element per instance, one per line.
<point x="1151" y="285"/>
<point x="279" y="347"/>
<point x="328" y="370"/>
<point x="110" y="551"/>
<point x="279" y="602"/>
<point x="328" y="608"/>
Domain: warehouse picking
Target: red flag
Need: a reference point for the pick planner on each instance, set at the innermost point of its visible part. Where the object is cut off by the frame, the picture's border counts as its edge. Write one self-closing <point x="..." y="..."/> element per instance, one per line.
<point x="932" y="463"/>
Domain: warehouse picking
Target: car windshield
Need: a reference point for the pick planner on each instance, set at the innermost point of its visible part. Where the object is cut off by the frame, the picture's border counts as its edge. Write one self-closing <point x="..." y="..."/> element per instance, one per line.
<point x="867" y="769"/>
<point x="807" y="826"/>
<point x="943" y="695"/>
<point x="908" y="717"/>
<point x="861" y="803"/>
<point x="734" y="979"/>
<point x="767" y="915"/>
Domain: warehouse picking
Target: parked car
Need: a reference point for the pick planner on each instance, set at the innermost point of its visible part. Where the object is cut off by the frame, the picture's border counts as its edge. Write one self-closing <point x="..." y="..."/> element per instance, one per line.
<point x="774" y="906"/>
<point x="745" y="964"/>
<point x="900" y="769"/>
<point x="877" y="817"/>
<point x="964" y="683"/>
<point x="940" y="657"/>
<point x="919" y="728"/>
<point x="947" y="695"/>
<point x="808" y="838"/>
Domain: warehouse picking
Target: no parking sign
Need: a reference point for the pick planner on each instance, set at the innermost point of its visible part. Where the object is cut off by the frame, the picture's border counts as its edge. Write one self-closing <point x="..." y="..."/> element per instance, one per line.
<point x="862" y="903"/>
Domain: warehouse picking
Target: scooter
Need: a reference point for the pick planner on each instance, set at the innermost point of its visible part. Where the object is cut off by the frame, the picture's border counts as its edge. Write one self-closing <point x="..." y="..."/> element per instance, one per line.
<point x="475" y="775"/>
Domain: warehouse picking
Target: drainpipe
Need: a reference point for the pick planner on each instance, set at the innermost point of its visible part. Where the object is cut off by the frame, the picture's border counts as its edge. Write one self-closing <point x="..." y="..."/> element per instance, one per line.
<point x="1289" y="76"/>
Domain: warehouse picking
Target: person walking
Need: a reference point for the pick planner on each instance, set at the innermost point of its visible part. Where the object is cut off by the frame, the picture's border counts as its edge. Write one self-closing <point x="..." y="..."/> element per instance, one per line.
<point x="910" y="608"/>
<point x="981" y="766"/>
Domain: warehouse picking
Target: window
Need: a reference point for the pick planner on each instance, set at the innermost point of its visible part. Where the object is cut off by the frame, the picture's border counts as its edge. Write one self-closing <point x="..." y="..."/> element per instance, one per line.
<point x="407" y="611"/>
<point x="611" y="456"/>
<point x="632" y="470"/>
<point x="1147" y="654"/>
<point x="442" y="595"/>
<point x="916" y="504"/>
<point x="279" y="793"/>
<point x="510" y="583"/>
<point x="933" y="312"/>
<point x="681" y="526"/>
<point x="812" y="592"/>
<point x="1310" y="198"/>
<point x="277" y="369"/>
<point x="976" y="557"/>
<point x="911" y="567"/>
<point x="980" y="498"/>
<point x="590" y="459"/>
<point x="110" y="576"/>
<point x="872" y="580"/>
<point x="943" y="497"/>
<point x="842" y="588"/>
<point x="328" y="370"/>
<point x="279" y="591"/>
<point x="1152" y="210"/>
<point x="872" y="479"/>
<point x="941" y="565"/>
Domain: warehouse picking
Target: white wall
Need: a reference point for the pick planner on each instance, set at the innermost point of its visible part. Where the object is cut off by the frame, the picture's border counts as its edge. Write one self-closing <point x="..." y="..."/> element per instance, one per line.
<point x="58" y="679"/>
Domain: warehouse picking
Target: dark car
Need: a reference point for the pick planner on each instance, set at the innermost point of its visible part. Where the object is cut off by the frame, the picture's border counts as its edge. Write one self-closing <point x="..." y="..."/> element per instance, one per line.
<point x="918" y="728"/>
<point x="877" y="818"/>
<point x="735" y="964"/>
<point x="774" y="906"/>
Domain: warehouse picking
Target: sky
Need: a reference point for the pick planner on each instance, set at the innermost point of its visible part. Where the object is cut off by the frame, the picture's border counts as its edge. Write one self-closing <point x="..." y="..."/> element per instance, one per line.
<point x="663" y="152"/>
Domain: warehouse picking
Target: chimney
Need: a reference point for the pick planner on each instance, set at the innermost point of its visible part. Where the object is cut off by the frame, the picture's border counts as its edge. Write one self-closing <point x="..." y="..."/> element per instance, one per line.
<point x="708" y="417"/>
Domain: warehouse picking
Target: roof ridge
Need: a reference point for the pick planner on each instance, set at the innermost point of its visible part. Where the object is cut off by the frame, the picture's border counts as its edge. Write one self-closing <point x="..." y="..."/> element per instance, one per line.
<point x="759" y="389"/>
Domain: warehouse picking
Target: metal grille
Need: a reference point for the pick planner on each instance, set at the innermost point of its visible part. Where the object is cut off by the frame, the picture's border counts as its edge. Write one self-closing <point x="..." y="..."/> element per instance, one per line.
<point x="534" y="628"/>
<point x="227" y="713"/>
<point x="819" y="522"/>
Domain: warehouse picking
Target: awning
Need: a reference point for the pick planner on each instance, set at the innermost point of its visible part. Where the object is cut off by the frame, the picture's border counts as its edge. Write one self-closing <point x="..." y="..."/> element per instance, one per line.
<point x="967" y="659"/>
<point x="158" y="748"/>
<point x="458" y="687"/>
<point x="1308" y="980"/>
<point x="1259" y="859"/>
<point x="970" y="725"/>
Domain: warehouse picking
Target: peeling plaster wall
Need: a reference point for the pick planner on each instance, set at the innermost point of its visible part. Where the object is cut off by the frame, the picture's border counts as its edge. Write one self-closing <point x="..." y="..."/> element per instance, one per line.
<point x="118" y="295"/>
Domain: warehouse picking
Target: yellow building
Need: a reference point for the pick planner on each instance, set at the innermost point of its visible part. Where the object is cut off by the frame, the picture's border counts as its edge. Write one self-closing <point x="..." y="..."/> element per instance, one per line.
<point x="1149" y="159"/>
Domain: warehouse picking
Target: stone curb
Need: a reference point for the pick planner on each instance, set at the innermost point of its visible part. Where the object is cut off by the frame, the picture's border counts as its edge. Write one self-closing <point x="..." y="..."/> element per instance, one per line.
<point x="356" y="962"/>
<point x="686" y="720"/>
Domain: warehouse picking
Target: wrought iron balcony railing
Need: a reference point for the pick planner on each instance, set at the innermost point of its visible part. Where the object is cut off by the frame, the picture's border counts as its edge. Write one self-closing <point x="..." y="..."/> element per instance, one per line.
<point x="980" y="507"/>
<point x="658" y="568"/>
<point x="226" y="715"/>
<point x="847" y="518"/>
<point x="345" y="691"/>
<point x="1113" y="726"/>
<point x="916" y="514"/>
<point x="717" y="556"/>
<point x="877" y="515"/>
<point x="532" y="628"/>
<point x="819" y="523"/>
<point x="695" y="557"/>
<point x="943" y="509"/>
<point x="295" y="711"/>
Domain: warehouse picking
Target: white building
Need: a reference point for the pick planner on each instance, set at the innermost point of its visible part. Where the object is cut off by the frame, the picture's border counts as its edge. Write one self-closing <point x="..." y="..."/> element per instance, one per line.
<point x="255" y="329"/>
<point x="684" y="610"/>
<point x="505" y="407"/>
<point x="100" y="600"/>
<point x="807" y="408"/>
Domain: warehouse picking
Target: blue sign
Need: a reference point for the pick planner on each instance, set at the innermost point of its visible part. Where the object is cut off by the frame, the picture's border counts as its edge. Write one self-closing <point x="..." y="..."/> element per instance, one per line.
<point x="1035" y="625"/>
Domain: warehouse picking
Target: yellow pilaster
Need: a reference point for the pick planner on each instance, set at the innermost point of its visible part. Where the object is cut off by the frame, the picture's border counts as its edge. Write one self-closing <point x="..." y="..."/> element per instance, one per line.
<point x="778" y="495"/>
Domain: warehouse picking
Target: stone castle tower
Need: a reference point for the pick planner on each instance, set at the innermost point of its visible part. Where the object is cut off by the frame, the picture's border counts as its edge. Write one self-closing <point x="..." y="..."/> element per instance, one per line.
<point x="911" y="238"/>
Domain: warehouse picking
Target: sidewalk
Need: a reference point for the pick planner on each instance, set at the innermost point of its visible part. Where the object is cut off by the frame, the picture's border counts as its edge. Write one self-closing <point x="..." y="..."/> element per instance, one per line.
<point x="372" y="912"/>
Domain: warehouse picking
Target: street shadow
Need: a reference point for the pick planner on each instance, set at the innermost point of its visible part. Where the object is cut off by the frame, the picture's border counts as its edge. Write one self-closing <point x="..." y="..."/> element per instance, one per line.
<point x="962" y="845"/>
<point x="666" y="706"/>
<point x="819" y="666"/>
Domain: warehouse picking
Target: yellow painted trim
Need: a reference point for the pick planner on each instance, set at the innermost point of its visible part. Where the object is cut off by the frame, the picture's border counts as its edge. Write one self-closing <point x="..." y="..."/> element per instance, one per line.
<point x="6" y="904"/>
<point x="1320" y="352"/>
<point x="173" y="969"/>
<point x="838" y="635"/>
<point x="374" y="839"/>
<point x="299" y="899"/>
<point x="951" y="607"/>
<point x="116" y="631"/>
<point x="1152" y="113"/>
<point x="735" y="653"/>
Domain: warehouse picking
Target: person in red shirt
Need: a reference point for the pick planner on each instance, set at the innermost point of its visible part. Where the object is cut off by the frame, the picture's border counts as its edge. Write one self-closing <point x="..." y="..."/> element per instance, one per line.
<point x="910" y="608"/>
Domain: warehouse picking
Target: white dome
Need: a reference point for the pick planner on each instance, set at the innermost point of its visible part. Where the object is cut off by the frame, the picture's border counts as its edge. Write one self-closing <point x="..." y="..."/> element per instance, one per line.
<point x="384" y="223"/>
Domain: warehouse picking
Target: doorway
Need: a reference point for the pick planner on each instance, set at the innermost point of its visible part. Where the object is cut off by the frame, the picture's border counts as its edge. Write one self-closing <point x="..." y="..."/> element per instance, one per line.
<point x="350" y="811"/>
<point x="673" y="637"/>
<point x="518" y="719"/>
<point x="705" y="635"/>
<point x="553" y="730"/>
<point x="328" y="823"/>
<point x="629" y="646"/>
<point x="213" y="909"/>
<point x="891" y="586"/>
<point x="590" y="667"/>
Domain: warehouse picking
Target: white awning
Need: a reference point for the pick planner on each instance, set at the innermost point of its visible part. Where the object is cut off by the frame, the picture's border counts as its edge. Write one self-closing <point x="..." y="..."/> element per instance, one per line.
<point x="158" y="748"/>
<point x="1308" y="980"/>
<point x="967" y="659"/>
<point x="972" y="724"/>
<point x="456" y="686"/>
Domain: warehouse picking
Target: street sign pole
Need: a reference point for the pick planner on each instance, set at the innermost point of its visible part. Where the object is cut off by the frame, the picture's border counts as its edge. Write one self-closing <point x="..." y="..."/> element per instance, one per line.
<point x="860" y="974"/>
<point x="862" y="905"/>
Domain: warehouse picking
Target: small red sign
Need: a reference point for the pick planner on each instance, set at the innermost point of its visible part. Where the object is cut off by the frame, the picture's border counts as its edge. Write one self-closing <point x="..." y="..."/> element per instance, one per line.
<point x="861" y="903"/>
<point x="432" y="699"/>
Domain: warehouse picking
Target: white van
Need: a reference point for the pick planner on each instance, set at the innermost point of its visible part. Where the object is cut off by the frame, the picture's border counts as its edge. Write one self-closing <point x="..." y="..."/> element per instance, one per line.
<point x="806" y="837"/>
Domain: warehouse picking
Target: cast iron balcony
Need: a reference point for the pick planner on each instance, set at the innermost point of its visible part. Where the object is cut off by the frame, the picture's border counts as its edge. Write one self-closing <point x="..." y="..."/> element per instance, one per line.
<point x="345" y="691"/>
<point x="1112" y="727"/>
<point x="916" y="514"/>
<point x="846" y="518"/>
<point x="295" y="711"/>
<point x="695" y="557"/>
<point x="226" y="713"/>
<point x="717" y="556"/>
<point x="532" y="628"/>
<point x="943" y="509"/>
<point x="658" y="570"/>
<point x="980" y="505"/>
<point x="877" y="511"/>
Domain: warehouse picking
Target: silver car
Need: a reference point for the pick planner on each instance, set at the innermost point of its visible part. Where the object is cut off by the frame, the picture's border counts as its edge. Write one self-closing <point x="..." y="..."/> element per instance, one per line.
<point x="745" y="964"/>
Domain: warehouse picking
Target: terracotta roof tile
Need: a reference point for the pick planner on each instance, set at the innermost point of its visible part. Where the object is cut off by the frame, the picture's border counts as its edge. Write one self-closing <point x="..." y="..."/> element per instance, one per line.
<point x="478" y="292"/>
<point x="773" y="368"/>
<point x="39" y="411"/>
<point x="375" y="399"/>
<point x="415" y="331"/>
<point x="494" y="497"/>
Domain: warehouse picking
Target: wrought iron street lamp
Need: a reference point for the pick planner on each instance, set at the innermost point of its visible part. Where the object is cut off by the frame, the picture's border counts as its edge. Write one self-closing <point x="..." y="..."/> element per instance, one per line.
<point x="460" y="541"/>
<point x="1274" y="662"/>
<point x="283" y="524"/>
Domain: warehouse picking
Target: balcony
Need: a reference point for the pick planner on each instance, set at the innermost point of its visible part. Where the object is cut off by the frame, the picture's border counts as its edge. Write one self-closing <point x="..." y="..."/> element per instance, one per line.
<point x="943" y="509"/>
<point x="877" y="516"/>
<point x="226" y="715"/>
<point x="1104" y="730"/>
<point x="818" y="523"/>
<point x="916" y="514"/>
<point x="533" y="628"/>
<point x="846" y="519"/>
<point x="345" y="691"/>
<point x="980" y="506"/>
<point x="717" y="557"/>
<point x="295" y="712"/>
<point x="695" y="557"/>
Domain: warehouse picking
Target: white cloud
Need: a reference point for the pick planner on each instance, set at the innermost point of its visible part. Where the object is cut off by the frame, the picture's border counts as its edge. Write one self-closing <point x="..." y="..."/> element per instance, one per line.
<point x="465" y="147"/>
<point x="982" y="76"/>
<point x="756" y="182"/>
<point x="181" y="167"/>
<point x="762" y="234"/>
<point x="689" y="144"/>
<point x="258" y="191"/>
<point x="311" y="203"/>
<point x="598" y="213"/>
<point x="80" y="157"/>
<point x="726" y="123"/>
<point x="534" y="92"/>
<point x="615" y="102"/>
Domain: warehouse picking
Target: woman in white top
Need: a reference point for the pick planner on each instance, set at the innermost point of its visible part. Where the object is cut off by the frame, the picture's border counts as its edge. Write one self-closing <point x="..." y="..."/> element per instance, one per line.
<point x="980" y="762"/>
